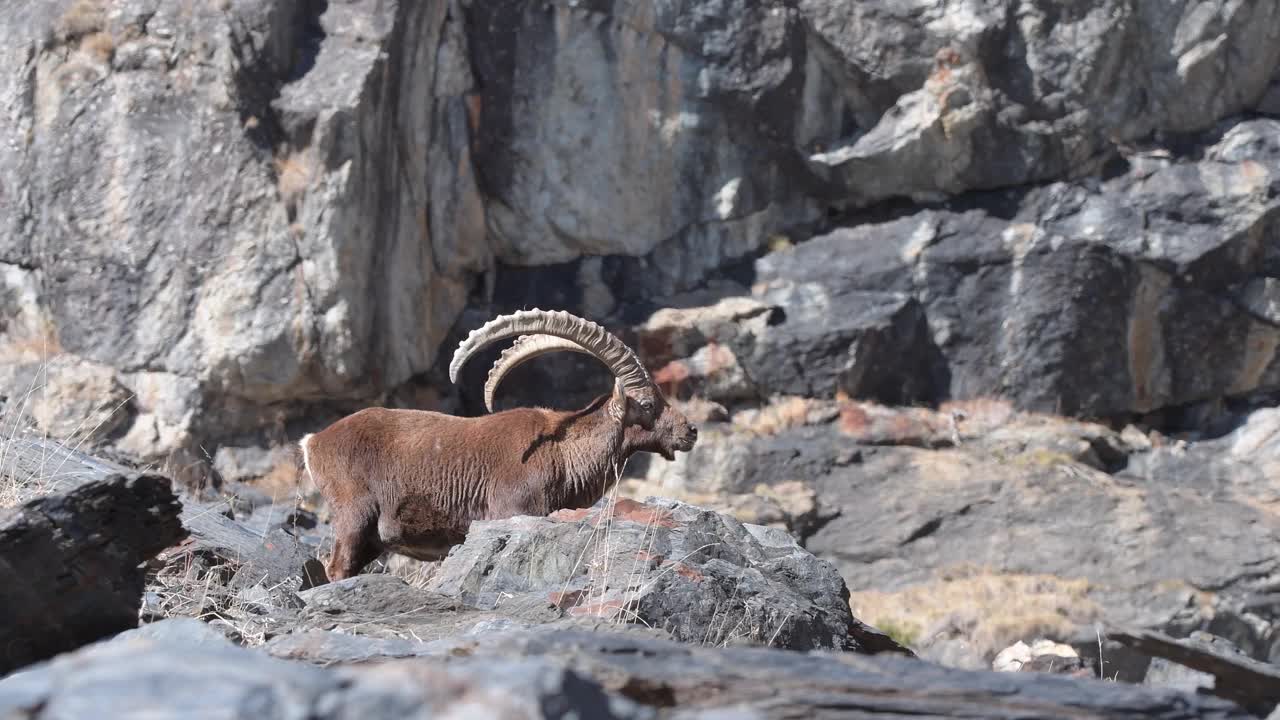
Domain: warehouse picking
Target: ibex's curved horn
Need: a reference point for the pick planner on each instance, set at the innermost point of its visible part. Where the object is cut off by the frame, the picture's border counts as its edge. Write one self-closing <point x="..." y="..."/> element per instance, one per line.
<point x="595" y="340"/>
<point x="526" y="347"/>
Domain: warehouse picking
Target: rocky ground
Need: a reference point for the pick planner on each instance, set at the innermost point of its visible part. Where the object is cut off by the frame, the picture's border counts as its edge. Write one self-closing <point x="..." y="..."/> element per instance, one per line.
<point x="975" y="526"/>
<point x="627" y="609"/>
<point x="977" y="304"/>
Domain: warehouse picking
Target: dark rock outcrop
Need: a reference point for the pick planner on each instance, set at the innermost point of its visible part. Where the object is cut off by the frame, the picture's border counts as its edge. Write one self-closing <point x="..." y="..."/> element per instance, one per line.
<point x="1148" y="289"/>
<point x="71" y="564"/>
<point x="1237" y="677"/>
<point x="245" y="558"/>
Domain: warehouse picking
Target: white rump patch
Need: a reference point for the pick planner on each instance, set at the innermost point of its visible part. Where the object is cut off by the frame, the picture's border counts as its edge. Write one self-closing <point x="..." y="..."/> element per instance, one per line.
<point x="306" y="458"/>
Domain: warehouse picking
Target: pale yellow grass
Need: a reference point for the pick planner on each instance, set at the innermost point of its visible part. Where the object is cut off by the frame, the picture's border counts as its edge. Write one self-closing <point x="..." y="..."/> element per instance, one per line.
<point x="100" y="46"/>
<point x="990" y="610"/>
<point x="981" y="414"/>
<point x="82" y="17"/>
<point x="294" y="172"/>
<point x="31" y="345"/>
<point x="779" y="415"/>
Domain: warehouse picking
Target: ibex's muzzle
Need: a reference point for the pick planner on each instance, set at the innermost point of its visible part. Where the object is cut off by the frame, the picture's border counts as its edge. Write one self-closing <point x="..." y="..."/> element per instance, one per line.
<point x="690" y="437"/>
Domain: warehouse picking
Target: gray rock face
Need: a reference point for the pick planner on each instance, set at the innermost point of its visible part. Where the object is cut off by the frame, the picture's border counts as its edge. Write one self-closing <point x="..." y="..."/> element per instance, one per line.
<point x="872" y="345"/>
<point x="79" y="400"/>
<point x="1148" y="290"/>
<point x="934" y="521"/>
<point x="658" y="114"/>
<point x="945" y="97"/>
<point x="700" y="576"/>
<point x="540" y="674"/>
<point x="238" y="199"/>
<point x="242" y="212"/>
<point x="163" y="671"/>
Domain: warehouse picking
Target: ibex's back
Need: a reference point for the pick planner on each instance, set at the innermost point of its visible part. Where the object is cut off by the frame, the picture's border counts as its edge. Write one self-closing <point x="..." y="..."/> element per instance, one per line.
<point x="412" y="481"/>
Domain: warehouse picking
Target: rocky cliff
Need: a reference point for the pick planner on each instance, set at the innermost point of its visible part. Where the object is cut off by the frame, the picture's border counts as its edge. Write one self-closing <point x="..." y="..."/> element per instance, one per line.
<point x="222" y="217"/>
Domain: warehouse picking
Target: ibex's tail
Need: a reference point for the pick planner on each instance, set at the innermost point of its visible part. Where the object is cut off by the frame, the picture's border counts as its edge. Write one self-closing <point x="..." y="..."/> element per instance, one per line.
<point x="305" y="476"/>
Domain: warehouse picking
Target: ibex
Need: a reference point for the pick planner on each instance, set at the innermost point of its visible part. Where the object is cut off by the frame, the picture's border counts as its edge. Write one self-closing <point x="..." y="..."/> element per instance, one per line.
<point x="411" y="481"/>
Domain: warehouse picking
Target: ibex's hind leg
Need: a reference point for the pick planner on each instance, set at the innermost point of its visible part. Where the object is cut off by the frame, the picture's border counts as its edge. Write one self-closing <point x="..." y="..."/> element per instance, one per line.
<point x="355" y="542"/>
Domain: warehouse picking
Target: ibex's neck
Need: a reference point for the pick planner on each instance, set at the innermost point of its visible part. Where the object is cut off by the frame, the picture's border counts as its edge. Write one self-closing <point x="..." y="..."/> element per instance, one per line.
<point x="636" y="439"/>
<point x="591" y="455"/>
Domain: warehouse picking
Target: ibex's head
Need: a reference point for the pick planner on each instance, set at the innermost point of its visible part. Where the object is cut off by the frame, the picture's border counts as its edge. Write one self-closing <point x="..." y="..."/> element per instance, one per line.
<point x="636" y="401"/>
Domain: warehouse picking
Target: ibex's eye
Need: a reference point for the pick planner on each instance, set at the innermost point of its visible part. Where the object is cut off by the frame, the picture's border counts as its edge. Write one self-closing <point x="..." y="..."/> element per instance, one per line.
<point x="646" y="405"/>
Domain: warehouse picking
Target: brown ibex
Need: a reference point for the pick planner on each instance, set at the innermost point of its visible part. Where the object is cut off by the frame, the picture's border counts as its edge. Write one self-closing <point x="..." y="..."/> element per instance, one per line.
<point x="411" y="481"/>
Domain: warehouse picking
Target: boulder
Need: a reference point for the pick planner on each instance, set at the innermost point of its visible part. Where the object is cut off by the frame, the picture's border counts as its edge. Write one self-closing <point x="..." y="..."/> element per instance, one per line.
<point x="79" y="401"/>
<point x="71" y="564"/>
<point x="1041" y="656"/>
<point x="698" y="575"/>
<point x="169" y="667"/>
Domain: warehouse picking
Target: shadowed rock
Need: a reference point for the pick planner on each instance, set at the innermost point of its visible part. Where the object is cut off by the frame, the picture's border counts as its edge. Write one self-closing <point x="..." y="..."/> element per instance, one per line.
<point x="1237" y="677"/>
<point x="70" y="564"/>
<point x="551" y="673"/>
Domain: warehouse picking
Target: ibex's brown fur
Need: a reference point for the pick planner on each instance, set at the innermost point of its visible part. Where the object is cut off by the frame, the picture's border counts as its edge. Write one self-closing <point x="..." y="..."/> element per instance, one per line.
<point x="411" y="481"/>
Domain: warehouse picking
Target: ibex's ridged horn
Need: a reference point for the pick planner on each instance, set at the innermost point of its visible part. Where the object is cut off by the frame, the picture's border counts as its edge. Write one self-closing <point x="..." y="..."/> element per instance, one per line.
<point x="526" y="347"/>
<point x="594" y="339"/>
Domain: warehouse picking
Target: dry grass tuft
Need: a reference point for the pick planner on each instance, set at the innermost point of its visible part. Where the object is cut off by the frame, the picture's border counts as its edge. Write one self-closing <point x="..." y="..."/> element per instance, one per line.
<point x="779" y="415"/>
<point x="99" y="45"/>
<point x="294" y="172"/>
<point x="980" y="414"/>
<point x="17" y="422"/>
<point x="991" y="610"/>
<point x="283" y="482"/>
<point x="196" y="586"/>
<point x="30" y="346"/>
<point x="1040" y="457"/>
<point x="417" y="573"/>
<point x="84" y="17"/>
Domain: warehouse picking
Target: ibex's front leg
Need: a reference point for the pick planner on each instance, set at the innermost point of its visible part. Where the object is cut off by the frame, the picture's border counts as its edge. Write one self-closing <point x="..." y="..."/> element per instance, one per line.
<point x="355" y="542"/>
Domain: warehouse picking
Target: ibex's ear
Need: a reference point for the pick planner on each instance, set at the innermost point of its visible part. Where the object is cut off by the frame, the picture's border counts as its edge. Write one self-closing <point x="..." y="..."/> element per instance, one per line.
<point x="619" y="398"/>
